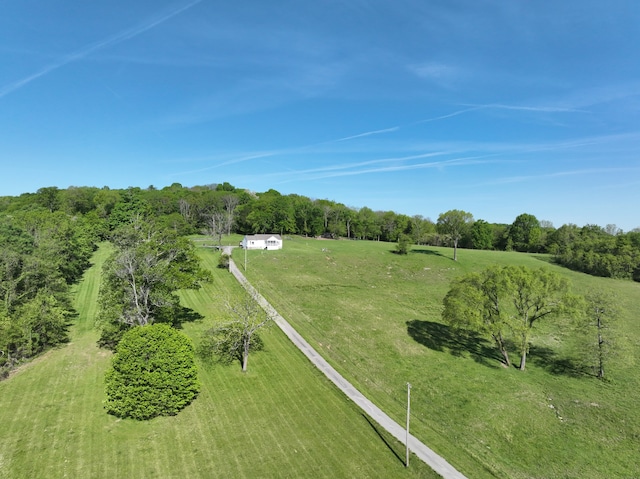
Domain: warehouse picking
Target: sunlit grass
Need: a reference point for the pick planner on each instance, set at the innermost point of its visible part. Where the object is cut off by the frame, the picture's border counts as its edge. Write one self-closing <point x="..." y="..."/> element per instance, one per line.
<point x="281" y="419"/>
<point x="376" y="316"/>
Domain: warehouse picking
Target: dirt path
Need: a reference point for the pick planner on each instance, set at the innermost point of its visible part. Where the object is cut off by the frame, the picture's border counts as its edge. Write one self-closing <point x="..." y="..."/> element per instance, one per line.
<point x="436" y="462"/>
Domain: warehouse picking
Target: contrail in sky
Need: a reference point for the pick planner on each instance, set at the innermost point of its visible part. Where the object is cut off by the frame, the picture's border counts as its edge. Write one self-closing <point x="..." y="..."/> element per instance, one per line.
<point x="368" y="133"/>
<point x="87" y="50"/>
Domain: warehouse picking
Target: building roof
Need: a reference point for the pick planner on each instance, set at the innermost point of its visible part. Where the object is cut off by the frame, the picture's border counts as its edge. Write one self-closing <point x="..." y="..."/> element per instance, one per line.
<point x="263" y="236"/>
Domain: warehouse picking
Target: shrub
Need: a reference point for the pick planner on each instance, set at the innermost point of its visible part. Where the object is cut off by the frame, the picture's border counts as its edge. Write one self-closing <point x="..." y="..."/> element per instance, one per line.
<point x="404" y="244"/>
<point x="223" y="261"/>
<point x="153" y="373"/>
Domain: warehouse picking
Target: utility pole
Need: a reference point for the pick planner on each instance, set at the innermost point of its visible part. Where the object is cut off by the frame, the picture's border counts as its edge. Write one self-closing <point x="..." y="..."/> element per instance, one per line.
<point x="408" y="414"/>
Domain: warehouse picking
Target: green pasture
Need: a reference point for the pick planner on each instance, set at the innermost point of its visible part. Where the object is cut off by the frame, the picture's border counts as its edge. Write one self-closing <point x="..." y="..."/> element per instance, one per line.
<point x="280" y="420"/>
<point x="375" y="316"/>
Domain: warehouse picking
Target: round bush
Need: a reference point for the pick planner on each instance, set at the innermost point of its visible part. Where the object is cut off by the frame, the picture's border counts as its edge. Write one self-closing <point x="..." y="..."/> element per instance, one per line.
<point x="153" y="373"/>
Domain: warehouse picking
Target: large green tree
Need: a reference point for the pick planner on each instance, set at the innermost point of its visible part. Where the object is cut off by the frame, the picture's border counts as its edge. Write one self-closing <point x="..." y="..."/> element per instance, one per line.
<point x="153" y="373"/>
<point x="475" y="303"/>
<point x="454" y="224"/>
<point x="508" y="300"/>
<point x="535" y="294"/>
<point x="142" y="276"/>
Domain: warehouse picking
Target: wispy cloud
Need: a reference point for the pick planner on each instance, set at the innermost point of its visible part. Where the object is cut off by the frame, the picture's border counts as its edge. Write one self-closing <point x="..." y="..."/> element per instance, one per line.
<point x="368" y="133"/>
<point x="89" y="49"/>
<point x="450" y="115"/>
<point x="383" y="165"/>
<point x="559" y="174"/>
<point x="539" y="109"/>
<point x="464" y="161"/>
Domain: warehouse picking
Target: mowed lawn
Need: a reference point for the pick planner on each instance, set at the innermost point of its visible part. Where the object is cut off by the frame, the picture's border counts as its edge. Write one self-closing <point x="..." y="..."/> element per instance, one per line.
<point x="281" y="419"/>
<point x="376" y="316"/>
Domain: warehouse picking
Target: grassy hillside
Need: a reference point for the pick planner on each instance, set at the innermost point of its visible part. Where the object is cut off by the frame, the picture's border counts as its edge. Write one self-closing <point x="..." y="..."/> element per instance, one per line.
<point x="376" y="316"/>
<point x="281" y="419"/>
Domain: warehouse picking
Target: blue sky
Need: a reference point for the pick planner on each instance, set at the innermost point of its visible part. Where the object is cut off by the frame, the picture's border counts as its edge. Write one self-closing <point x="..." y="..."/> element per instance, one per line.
<point x="417" y="106"/>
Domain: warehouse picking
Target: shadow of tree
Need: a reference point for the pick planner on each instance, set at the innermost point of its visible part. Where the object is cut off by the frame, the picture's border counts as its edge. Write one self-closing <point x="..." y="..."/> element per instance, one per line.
<point x="440" y="337"/>
<point x="183" y="315"/>
<point x="425" y="251"/>
<point x="549" y="360"/>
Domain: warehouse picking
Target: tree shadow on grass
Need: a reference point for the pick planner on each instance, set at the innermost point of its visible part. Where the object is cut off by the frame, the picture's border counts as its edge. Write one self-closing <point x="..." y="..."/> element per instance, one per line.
<point x="182" y="315"/>
<point x="440" y="337"/>
<point x="426" y="251"/>
<point x="382" y="435"/>
<point x="549" y="360"/>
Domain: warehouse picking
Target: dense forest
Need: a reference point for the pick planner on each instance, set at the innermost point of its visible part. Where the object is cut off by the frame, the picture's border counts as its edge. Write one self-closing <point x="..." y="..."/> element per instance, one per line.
<point x="47" y="238"/>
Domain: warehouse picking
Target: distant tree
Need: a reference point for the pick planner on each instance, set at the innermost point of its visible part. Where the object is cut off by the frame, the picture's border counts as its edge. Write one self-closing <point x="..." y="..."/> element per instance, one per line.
<point x="234" y="340"/>
<point x="454" y="223"/>
<point x="421" y="229"/>
<point x="78" y="199"/>
<point x="349" y="216"/>
<point x="327" y="210"/>
<point x="525" y="233"/>
<point x="612" y="229"/>
<point x="225" y="187"/>
<point x="367" y="225"/>
<point x="390" y="230"/>
<point x="153" y="373"/>
<point x="49" y="197"/>
<point x="307" y="216"/>
<point x="272" y="213"/>
<point x="562" y="239"/>
<point x="105" y="200"/>
<point x="131" y="208"/>
<point x="230" y="204"/>
<point x="404" y="244"/>
<point x="175" y="222"/>
<point x="185" y="209"/>
<point x="601" y="312"/>
<point x="216" y="225"/>
<point x="481" y="235"/>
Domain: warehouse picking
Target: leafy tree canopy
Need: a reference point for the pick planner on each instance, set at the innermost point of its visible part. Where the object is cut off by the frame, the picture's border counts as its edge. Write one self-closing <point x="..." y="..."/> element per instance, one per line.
<point x="153" y="373"/>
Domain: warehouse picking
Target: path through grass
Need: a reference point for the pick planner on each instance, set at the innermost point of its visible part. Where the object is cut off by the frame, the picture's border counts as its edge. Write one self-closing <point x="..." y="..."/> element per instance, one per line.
<point x="281" y="419"/>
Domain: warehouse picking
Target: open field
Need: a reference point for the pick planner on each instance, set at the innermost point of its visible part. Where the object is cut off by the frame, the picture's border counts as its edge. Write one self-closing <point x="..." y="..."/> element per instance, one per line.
<point x="376" y="317"/>
<point x="281" y="419"/>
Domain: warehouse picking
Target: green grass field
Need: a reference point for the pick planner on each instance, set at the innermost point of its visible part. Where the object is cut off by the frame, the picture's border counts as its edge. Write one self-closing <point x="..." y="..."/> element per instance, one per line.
<point x="376" y="317"/>
<point x="281" y="419"/>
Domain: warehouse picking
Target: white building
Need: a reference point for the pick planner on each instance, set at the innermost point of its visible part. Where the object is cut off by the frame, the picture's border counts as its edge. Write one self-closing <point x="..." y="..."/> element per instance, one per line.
<point x="267" y="241"/>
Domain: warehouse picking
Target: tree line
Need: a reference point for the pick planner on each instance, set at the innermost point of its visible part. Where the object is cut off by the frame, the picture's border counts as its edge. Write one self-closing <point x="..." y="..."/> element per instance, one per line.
<point x="42" y="253"/>
<point x="592" y="249"/>
<point x="219" y="209"/>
